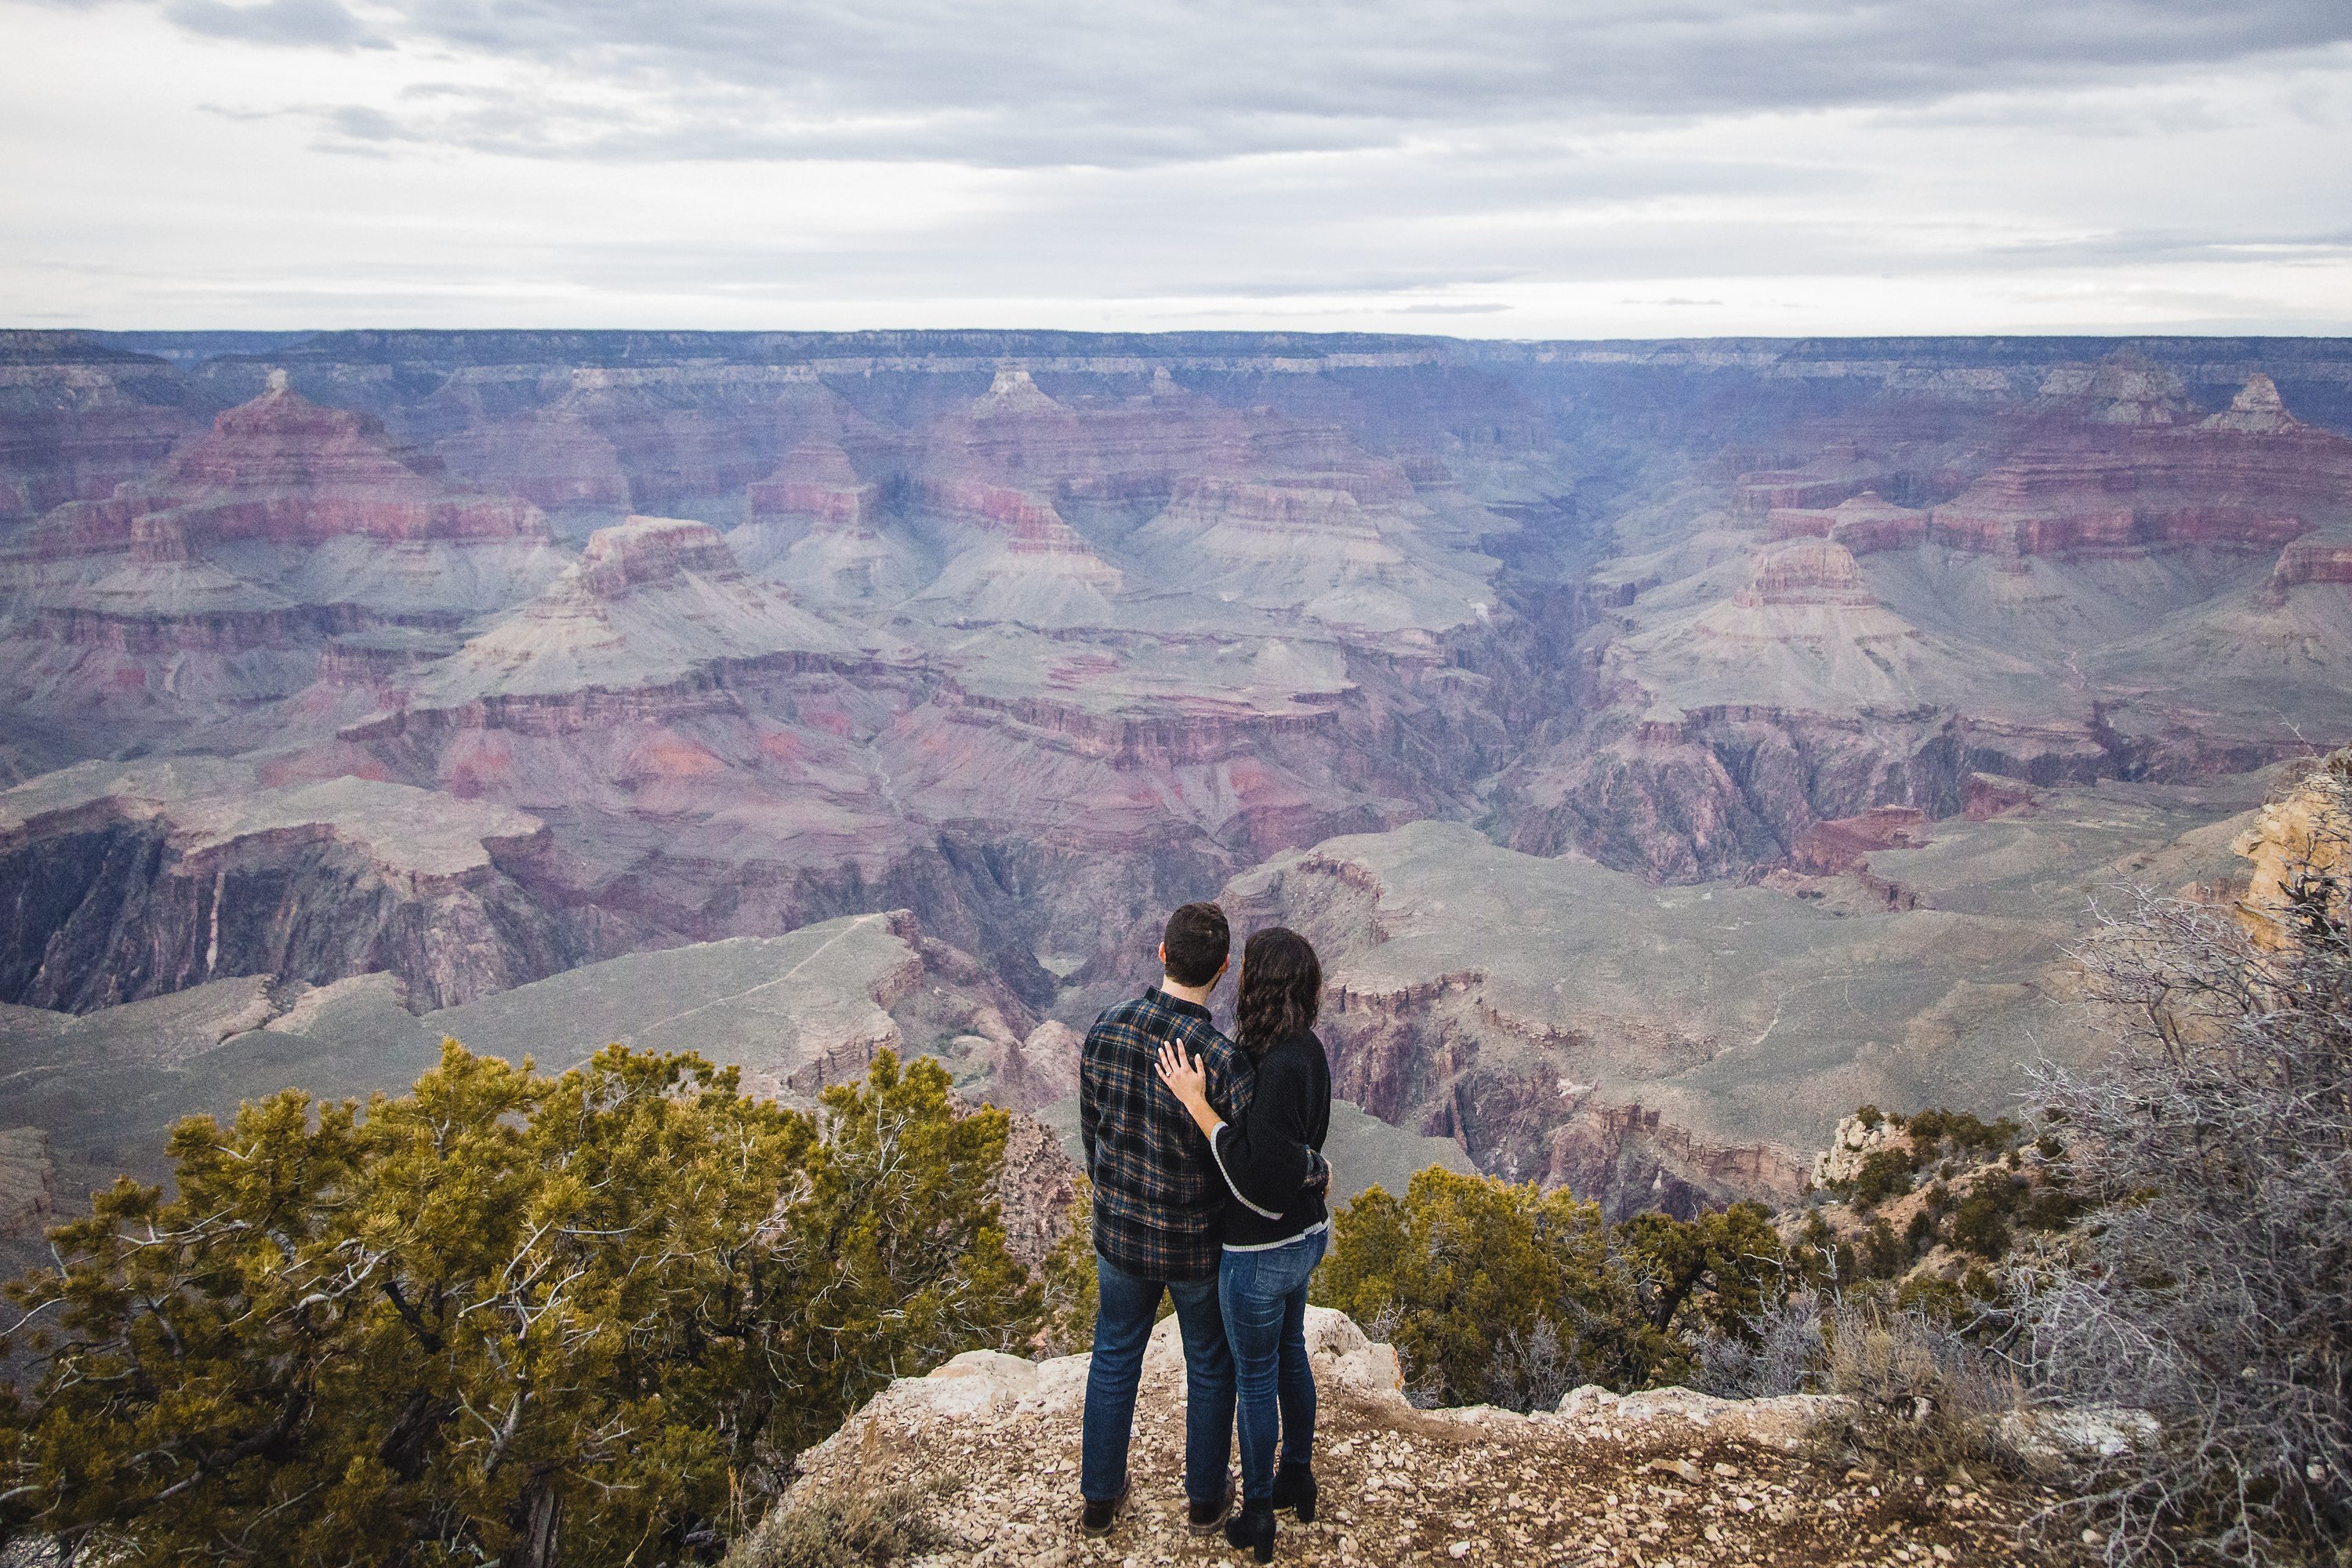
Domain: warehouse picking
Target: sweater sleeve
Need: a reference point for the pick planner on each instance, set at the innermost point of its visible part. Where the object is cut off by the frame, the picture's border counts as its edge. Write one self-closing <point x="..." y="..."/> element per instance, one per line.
<point x="1232" y="1082"/>
<point x="1263" y="1154"/>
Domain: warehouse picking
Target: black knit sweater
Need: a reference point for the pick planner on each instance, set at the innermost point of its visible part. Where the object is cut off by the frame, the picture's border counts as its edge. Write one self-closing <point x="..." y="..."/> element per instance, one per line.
<point x="1271" y="1157"/>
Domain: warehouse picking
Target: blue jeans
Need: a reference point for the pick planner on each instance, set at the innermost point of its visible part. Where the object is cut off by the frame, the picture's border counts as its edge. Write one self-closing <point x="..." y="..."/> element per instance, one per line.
<point x="1263" y="1295"/>
<point x="1122" y="1325"/>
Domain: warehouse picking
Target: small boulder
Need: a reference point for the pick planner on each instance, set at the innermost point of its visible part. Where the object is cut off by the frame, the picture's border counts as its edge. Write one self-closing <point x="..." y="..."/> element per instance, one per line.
<point x="2070" y="1440"/>
<point x="972" y="1383"/>
<point x="1342" y="1354"/>
<point x="1592" y="1399"/>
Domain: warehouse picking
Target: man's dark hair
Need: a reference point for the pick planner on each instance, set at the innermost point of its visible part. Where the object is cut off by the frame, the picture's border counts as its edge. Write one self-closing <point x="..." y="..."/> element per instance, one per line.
<point x="1198" y="942"/>
<point x="1281" y="989"/>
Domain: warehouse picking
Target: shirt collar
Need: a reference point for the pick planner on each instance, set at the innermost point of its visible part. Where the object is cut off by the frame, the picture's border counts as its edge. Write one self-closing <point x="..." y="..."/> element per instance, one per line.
<point x="1178" y="1004"/>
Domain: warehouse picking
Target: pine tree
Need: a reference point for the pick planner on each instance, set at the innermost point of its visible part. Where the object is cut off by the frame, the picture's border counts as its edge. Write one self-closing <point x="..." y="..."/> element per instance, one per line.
<point x="892" y="1248"/>
<point x="504" y="1318"/>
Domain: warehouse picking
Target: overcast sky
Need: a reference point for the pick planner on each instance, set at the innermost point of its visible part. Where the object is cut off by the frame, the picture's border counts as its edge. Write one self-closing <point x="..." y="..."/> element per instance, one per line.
<point x="1561" y="168"/>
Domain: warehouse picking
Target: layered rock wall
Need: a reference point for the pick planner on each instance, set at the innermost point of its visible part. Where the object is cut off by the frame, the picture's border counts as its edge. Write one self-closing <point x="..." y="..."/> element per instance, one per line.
<point x="141" y="884"/>
<point x="286" y="469"/>
<point x="77" y="420"/>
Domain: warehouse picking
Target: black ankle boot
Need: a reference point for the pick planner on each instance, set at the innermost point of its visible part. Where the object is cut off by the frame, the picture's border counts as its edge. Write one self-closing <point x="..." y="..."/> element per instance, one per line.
<point x="1253" y="1527"/>
<point x="1294" y="1488"/>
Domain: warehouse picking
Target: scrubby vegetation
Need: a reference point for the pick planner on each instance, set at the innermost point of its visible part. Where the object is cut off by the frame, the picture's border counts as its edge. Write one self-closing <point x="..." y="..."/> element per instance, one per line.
<point x="503" y="1318"/>
<point x="1935" y="1205"/>
<point x="1509" y="1295"/>
<point x="869" y="1529"/>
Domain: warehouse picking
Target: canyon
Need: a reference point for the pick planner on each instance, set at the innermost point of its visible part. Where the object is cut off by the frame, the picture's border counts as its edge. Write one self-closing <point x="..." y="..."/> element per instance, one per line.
<point x="1669" y="745"/>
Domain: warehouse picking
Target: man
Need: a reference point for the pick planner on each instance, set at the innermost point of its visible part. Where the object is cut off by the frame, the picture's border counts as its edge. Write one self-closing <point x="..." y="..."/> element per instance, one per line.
<point x="1158" y="1209"/>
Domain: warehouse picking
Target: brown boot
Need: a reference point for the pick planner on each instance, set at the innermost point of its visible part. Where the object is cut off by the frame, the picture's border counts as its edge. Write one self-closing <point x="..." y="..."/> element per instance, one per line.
<point x="1097" y="1518"/>
<point x="1206" y="1516"/>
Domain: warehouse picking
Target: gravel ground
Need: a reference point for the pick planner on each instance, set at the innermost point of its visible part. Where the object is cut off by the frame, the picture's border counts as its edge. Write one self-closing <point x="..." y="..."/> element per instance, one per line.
<point x="1403" y="1486"/>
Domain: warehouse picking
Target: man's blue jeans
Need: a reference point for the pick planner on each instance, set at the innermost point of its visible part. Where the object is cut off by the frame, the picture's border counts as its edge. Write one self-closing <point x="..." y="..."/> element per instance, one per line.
<point x="1264" y="1295"/>
<point x="1122" y="1325"/>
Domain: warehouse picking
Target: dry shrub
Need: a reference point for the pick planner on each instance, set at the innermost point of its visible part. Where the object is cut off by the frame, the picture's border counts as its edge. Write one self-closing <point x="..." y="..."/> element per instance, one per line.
<point x="1782" y="1352"/>
<point x="860" y="1529"/>
<point x="1533" y="1369"/>
<point x="2212" y="1286"/>
<point x="1927" y="1397"/>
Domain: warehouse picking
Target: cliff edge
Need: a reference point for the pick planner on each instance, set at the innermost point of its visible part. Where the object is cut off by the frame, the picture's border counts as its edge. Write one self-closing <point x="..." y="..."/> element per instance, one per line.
<point x="988" y="1445"/>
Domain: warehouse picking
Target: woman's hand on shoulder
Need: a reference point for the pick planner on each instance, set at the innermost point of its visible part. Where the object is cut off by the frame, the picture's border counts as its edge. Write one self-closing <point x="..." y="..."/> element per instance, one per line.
<point x="1187" y="1078"/>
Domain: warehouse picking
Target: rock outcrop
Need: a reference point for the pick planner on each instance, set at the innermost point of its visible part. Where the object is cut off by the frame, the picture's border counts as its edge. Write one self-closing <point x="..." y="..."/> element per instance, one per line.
<point x="1852" y="1145"/>
<point x="2300" y="844"/>
<point x="2257" y="410"/>
<point x="990" y="1443"/>
<point x="816" y="481"/>
<point x="1014" y="391"/>
<point x="1861" y="524"/>
<point x="2308" y="561"/>
<point x="1804" y="571"/>
<point x="651" y="603"/>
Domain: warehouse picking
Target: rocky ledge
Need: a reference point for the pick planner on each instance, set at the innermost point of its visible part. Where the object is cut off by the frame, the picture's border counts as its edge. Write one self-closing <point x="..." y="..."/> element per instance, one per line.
<point x="132" y="879"/>
<point x="1652" y="1480"/>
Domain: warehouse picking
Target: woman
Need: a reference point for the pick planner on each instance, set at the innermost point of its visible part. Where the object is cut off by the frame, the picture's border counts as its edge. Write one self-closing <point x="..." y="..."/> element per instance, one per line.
<point x="1276" y="1224"/>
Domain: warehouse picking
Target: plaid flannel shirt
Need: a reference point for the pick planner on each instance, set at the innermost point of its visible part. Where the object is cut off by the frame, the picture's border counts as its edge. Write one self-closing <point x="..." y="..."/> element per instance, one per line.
<point x="1159" y="1202"/>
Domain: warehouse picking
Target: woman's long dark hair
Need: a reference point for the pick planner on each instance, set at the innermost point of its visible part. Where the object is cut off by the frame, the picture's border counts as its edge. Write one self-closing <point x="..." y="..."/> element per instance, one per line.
<point x="1281" y="989"/>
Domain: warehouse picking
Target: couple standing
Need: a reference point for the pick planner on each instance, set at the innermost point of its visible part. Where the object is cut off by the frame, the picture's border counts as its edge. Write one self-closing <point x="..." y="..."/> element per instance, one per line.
<point x="1209" y="1180"/>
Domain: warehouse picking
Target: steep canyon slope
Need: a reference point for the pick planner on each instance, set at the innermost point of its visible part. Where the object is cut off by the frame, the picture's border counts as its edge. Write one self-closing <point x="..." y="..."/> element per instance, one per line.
<point x="470" y="659"/>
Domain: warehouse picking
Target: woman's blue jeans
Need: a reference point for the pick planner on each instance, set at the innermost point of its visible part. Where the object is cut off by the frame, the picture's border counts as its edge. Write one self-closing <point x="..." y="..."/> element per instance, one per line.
<point x="1264" y="1295"/>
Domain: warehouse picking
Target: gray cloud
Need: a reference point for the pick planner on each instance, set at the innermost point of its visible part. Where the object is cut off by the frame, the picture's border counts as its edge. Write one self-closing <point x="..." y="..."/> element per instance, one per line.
<point x="1492" y="167"/>
<point x="362" y="124"/>
<point x="2138" y="245"/>
<point x="320" y="24"/>
<point x="1432" y="310"/>
<point x="1049" y="82"/>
